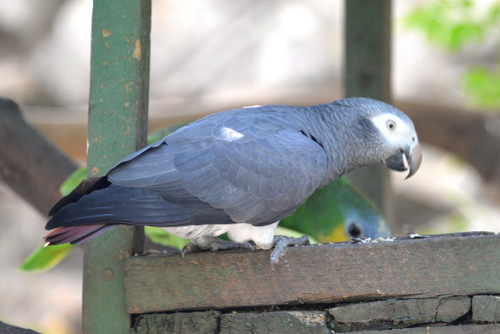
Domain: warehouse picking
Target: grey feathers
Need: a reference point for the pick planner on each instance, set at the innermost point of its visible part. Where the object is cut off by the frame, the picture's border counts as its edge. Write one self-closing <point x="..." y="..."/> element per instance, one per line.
<point x="254" y="165"/>
<point x="249" y="165"/>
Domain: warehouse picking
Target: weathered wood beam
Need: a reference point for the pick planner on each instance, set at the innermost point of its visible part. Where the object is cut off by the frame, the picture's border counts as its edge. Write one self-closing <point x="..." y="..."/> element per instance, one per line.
<point x="32" y="166"/>
<point x="455" y="264"/>
<point x="470" y="134"/>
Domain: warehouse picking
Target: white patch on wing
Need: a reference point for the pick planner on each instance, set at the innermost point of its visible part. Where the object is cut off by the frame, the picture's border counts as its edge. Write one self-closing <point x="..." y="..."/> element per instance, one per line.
<point x="230" y="135"/>
<point x="262" y="236"/>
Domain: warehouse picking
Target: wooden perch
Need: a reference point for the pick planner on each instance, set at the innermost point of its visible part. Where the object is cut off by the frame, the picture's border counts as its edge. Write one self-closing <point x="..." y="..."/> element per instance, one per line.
<point x="454" y="264"/>
<point x="440" y="284"/>
<point x="29" y="164"/>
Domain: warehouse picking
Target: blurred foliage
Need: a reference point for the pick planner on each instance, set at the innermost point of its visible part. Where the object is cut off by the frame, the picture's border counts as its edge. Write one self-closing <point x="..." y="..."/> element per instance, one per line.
<point x="44" y="258"/>
<point x="73" y="181"/>
<point x="483" y="85"/>
<point x="450" y="223"/>
<point x="162" y="237"/>
<point x="453" y="24"/>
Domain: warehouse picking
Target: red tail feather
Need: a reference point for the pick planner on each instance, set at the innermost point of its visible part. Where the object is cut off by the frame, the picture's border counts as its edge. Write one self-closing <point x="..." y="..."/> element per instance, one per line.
<point x="74" y="234"/>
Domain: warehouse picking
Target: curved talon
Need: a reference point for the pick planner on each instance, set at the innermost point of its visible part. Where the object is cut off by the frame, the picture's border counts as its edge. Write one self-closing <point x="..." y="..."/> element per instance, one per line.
<point x="190" y="248"/>
<point x="281" y="242"/>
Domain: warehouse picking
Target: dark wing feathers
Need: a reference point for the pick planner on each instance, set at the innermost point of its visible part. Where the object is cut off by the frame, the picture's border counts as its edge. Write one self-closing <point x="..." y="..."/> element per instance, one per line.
<point x="117" y="205"/>
<point x="151" y="170"/>
<point x="255" y="170"/>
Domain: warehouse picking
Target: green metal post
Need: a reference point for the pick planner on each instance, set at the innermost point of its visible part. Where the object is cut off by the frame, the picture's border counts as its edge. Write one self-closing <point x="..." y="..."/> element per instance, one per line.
<point x="367" y="74"/>
<point x="117" y="128"/>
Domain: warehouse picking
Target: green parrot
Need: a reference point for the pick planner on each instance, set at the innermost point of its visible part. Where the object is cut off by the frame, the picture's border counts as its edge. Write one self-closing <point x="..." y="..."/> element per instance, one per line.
<point x="338" y="212"/>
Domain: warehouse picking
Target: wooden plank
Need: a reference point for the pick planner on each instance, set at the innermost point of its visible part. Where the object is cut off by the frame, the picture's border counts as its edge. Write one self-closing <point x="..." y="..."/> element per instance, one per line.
<point x="456" y="264"/>
<point x="368" y="74"/>
<point x="117" y="128"/>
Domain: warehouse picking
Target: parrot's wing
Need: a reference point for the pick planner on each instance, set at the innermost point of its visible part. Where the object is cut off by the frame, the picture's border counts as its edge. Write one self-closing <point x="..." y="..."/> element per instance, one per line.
<point x="255" y="174"/>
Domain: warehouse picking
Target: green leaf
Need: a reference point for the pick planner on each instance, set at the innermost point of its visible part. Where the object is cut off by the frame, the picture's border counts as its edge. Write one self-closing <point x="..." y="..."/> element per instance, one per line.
<point x="73" y="180"/>
<point x="451" y="24"/>
<point x="483" y="85"/>
<point x="45" y="258"/>
<point x="162" y="237"/>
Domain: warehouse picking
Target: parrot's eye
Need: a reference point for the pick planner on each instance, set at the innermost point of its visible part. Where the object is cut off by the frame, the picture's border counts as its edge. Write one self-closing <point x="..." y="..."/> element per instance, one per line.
<point x="354" y="230"/>
<point x="391" y="125"/>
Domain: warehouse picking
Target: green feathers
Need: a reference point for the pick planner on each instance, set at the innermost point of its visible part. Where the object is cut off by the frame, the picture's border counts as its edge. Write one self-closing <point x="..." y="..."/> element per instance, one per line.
<point x="338" y="212"/>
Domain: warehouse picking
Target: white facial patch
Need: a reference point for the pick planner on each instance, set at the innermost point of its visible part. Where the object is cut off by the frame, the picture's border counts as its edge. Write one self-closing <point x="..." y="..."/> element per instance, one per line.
<point x="394" y="129"/>
<point x="229" y="134"/>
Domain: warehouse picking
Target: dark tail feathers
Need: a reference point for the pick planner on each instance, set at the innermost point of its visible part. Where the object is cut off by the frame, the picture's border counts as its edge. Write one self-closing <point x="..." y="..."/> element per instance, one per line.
<point x="85" y="187"/>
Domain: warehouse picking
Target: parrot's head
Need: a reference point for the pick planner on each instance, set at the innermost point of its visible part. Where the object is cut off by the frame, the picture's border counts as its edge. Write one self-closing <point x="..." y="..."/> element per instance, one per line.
<point x="360" y="217"/>
<point x="401" y="142"/>
<point x="359" y="225"/>
<point x="386" y="133"/>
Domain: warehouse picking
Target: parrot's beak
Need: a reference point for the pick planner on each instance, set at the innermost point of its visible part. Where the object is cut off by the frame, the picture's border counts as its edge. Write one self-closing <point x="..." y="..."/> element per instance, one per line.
<point x="413" y="160"/>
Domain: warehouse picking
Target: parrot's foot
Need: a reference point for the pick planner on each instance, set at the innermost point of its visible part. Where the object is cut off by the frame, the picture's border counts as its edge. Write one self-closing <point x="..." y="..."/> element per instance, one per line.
<point x="280" y="243"/>
<point x="206" y="243"/>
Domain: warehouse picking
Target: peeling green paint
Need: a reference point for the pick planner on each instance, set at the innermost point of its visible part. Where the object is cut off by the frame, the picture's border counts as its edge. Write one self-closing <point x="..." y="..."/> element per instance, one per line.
<point x="117" y="128"/>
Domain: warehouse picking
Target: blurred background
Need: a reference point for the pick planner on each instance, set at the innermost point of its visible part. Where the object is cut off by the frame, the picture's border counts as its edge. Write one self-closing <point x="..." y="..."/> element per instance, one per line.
<point x="211" y="55"/>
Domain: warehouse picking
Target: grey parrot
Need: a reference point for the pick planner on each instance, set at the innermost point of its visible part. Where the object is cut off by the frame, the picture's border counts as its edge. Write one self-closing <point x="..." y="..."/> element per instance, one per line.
<point x="238" y="172"/>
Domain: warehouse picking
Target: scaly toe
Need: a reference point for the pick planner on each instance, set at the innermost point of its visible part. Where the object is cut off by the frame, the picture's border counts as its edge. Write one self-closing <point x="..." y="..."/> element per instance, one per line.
<point x="281" y="242"/>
